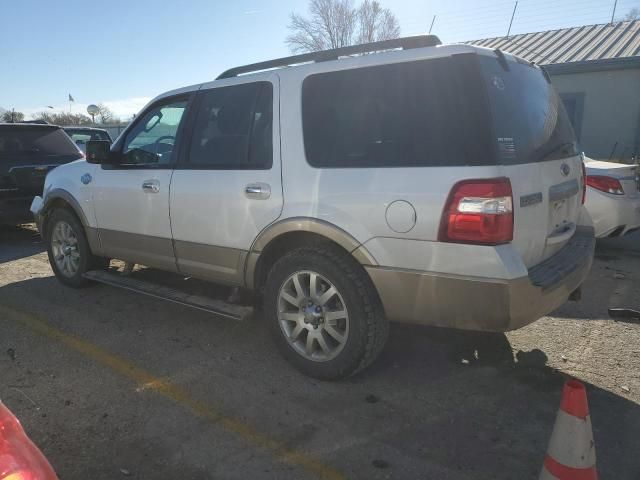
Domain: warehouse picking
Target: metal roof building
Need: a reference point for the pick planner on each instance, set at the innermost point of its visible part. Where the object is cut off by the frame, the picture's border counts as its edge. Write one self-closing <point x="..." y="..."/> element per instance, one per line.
<point x="596" y="70"/>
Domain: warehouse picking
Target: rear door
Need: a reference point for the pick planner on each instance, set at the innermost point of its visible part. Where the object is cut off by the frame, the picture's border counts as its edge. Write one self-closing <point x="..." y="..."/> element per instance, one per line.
<point x="537" y="148"/>
<point x="229" y="186"/>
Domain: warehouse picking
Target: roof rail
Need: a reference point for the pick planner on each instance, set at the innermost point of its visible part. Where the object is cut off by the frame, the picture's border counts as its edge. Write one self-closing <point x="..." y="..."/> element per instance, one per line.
<point x="405" y="43"/>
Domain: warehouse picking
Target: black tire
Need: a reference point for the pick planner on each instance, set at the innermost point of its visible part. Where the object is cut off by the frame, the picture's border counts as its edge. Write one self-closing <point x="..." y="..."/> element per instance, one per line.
<point x="368" y="326"/>
<point x="87" y="260"/>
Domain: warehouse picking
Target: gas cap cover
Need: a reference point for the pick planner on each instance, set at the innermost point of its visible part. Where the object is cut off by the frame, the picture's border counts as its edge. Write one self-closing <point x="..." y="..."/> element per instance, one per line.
<point x="401" y="216"/>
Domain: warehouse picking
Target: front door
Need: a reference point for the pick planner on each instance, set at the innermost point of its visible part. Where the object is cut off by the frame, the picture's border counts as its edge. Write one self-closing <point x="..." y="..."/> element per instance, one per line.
<point x="229" y="186"/>
<point x="131" y="198"/>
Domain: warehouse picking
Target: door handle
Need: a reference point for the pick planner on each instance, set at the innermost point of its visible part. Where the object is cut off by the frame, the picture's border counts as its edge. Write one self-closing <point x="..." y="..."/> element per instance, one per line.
<point x="258" y="191"/>
<point x="151" y="186"/>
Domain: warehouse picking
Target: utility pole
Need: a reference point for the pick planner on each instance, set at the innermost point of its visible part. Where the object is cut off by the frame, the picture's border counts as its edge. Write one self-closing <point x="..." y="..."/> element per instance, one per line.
<point x="432" y="22"/>
<point x="613" y="14"/>
<point x="13" y="115"/>
<point x="512" y="16"/>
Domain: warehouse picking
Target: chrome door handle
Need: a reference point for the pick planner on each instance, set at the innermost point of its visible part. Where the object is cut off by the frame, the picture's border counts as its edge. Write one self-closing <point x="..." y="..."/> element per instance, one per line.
<point x="151" y="186"/>
<point x="258" y="191"/>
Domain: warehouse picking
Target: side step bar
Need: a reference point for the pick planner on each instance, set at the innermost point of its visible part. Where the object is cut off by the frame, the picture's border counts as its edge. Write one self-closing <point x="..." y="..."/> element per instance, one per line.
<point x="211" y="305"/>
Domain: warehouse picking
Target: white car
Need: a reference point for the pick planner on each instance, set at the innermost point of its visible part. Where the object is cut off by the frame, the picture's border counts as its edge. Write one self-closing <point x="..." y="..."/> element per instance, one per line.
<point x="613" y="197"/>
<point x="438" y="185"/>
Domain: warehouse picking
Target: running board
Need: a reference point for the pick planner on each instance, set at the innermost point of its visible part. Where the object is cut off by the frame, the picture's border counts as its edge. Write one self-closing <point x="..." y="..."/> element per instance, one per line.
<point x="211" y="305"/>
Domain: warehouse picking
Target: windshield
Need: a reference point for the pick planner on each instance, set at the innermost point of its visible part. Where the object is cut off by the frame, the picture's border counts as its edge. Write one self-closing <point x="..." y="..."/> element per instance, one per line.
<point x="530" y="122"/>
<point x="82" y="136"/>
<point x="25" y="141"/>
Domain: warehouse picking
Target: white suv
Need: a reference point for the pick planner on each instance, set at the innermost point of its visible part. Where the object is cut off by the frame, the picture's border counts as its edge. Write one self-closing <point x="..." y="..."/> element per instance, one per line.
<point x="430" y="184"/>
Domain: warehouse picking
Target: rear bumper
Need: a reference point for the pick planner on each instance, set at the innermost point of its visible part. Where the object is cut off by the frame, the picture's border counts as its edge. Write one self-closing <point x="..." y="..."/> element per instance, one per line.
<point x="473" y="303"/>
<point x="15" y="209"/>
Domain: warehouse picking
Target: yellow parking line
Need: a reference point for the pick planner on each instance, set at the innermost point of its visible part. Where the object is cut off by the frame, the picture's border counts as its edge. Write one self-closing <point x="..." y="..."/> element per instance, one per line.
<point x="147" y="381"/>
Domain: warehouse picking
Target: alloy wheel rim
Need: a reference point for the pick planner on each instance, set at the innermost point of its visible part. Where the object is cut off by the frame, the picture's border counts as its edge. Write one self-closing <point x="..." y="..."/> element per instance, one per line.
<point x="64" y="245"/>
<point x="313" y="316"/>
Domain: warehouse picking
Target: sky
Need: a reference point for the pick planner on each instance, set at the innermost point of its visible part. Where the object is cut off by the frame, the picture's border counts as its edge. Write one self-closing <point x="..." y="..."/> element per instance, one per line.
<point x="123" y="53"/>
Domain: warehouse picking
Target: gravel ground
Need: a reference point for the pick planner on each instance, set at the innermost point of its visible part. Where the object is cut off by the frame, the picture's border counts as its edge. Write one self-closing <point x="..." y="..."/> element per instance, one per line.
<point x="113" y="385"/>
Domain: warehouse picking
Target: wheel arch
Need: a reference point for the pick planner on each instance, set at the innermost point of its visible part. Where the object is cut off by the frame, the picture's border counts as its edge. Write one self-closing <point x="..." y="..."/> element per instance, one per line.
<point x="60" y="198"/>
<point x="283" y="236"/>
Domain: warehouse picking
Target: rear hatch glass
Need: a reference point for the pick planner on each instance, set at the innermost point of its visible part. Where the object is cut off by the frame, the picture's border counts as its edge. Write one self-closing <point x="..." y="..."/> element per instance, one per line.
<point x="28" y="152"/>
<point x="537" y="147"/>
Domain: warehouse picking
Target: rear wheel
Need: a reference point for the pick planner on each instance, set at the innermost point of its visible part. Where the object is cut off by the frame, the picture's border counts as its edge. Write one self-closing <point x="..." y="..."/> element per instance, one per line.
<point x="68" y="249"/>
<point x="324" y="313"/>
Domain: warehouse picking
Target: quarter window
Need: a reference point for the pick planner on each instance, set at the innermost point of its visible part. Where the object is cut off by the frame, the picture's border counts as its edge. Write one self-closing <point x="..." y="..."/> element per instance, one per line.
<point x="233" y="128"/>
<point x="412" y="114"/>
<point x="152" y="139"/>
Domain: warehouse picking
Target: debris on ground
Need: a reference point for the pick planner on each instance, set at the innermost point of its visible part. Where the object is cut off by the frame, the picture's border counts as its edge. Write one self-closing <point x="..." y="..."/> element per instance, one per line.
<point x="625" y="388"/>
<point x="12" y="353"/>
<point x="619" y="276"/>
<point x="372" y="398"/>
<point x="378" y="463"/>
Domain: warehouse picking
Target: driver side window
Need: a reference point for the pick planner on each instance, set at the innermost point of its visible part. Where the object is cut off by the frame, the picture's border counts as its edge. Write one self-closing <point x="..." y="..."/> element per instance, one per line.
<point x="152" y="139"/>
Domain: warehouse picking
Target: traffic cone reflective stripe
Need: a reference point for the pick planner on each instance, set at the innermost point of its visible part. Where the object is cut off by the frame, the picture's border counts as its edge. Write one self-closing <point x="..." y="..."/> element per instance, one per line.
<point x="556" y="471"/>
<point x="571" y="454"/>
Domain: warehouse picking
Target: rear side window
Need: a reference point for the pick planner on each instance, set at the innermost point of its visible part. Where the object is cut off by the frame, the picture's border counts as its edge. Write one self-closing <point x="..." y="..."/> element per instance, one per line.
<point x="36" y="142"/>
<point x="414" y="114"/>
<point x="233" y="128"/>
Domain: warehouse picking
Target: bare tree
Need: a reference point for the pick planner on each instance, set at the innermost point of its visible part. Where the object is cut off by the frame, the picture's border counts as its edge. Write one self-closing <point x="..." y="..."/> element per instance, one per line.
<point x="62" y="118"/>
<point x="633" y="14"/>
<point x="376" y="23"/>
<point x="11" y="116"/>
<point x="104" y="113"/>
<point x="337" y="23"/>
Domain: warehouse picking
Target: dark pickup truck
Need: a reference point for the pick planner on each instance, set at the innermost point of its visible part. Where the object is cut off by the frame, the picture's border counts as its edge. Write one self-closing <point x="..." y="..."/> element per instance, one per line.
<point x="27" y="153"/>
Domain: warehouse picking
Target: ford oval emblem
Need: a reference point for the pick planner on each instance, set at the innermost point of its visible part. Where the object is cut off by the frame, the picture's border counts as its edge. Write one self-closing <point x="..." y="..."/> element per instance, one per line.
<point x="86" y="179"/>
<point x="565" y="169"/>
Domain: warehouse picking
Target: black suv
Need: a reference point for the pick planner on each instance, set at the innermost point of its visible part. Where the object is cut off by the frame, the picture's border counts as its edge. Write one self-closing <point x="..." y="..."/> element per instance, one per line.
<point x="27" y="153"/>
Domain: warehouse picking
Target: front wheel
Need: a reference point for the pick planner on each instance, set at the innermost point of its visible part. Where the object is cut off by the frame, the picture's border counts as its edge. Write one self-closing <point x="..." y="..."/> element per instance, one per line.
<point x="68" y="249"/>
<point x="324" y="313"/>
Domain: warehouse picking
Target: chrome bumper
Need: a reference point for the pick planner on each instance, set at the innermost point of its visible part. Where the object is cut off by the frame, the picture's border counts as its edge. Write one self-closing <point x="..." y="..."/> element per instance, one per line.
<point x="485" y="304"/>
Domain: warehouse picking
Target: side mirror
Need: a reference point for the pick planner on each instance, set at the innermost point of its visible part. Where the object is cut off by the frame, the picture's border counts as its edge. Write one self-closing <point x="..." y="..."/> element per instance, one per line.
<point x="98" y="151"/>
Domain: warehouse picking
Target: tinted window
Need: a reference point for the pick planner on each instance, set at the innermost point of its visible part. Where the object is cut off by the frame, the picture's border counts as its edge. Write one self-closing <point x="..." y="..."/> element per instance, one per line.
<point x="530" y="121"/>
<point x="25" y="141"/>
<point x="152" y="139"/>
<point x="233" y="128"/>
<point x="410" y="114"/>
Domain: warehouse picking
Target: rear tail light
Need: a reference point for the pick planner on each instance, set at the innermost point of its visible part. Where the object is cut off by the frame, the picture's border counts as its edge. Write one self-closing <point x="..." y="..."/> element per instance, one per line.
<point x="479" y="212"/>
<point x="584" y="182"/>
<point x="605" y="184"/>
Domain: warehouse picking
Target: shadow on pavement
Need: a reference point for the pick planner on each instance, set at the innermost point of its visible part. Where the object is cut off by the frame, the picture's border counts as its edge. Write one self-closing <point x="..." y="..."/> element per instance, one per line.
<point x="438" y="403"/>
<point x="19" y="241"/>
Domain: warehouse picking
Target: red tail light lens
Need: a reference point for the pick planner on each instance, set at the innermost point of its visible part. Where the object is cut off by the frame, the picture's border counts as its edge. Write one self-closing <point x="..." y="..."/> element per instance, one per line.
<point x="479" y="212"/>
<point x="605" y="184"/>
<point x="584" y="182"/>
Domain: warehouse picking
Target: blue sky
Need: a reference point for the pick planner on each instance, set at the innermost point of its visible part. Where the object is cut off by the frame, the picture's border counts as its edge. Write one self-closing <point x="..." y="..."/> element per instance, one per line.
<point x="122" y="53"/>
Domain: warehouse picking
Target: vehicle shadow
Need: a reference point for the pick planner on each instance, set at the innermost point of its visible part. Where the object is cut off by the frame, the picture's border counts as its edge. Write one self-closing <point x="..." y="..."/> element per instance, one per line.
<point x="445" y="403"/>
<point x="19" y="241"/>
<point x="497" y="406"/>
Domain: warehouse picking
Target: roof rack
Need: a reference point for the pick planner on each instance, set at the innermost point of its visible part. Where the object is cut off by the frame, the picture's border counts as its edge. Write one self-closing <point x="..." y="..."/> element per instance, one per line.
<point x="405" y="43"/>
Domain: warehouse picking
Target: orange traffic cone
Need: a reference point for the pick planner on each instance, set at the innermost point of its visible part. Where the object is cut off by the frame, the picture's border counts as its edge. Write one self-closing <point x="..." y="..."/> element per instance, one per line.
<point x="571" y="454"/>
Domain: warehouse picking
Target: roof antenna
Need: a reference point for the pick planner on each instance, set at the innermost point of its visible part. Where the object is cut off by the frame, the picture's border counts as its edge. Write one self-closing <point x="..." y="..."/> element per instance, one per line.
<point x="613" y="14"/>
<point x="432" y="22"/>
<point x="513" y="15"/>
